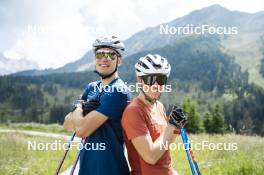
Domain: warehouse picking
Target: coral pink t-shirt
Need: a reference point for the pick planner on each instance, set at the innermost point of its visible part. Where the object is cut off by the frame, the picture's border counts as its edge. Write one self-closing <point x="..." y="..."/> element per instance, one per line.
<point x="139" y="120"/>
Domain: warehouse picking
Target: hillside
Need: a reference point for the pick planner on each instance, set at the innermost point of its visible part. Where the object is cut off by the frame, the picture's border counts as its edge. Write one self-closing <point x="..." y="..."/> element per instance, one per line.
<point x="200" y="70"/>
<point x="210" y="70"/>
<point x="197" y="59"/>
<point x="244" y="46"/>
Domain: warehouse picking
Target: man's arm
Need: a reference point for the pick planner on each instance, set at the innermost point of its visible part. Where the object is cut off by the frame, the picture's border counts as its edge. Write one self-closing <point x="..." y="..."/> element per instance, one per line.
<point x="67" y="124"/>
<point x="84" y="126"/>
<point x="151" y="151"/>
<point x="87" y="125"/>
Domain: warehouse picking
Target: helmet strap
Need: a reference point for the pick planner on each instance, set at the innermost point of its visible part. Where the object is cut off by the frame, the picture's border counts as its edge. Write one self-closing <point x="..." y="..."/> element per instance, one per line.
<point x="148" y="98"/>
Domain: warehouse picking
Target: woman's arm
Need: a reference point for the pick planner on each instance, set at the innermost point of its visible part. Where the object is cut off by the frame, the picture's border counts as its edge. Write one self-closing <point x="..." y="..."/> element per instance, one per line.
<point x="151" y="151"/>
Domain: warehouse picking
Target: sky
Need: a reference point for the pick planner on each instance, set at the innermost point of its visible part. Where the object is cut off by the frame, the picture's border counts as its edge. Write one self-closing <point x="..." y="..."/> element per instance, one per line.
<point x="52" y="33"/>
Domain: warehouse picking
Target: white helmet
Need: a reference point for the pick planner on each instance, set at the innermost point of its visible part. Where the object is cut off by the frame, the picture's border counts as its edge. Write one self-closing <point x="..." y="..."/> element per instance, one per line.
<point x="152" y="64"/>
<point x="111" y="42"/>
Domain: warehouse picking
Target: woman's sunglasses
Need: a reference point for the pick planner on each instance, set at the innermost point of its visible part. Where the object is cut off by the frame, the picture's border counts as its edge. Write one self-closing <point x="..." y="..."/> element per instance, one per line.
<point x="152" y="79"/>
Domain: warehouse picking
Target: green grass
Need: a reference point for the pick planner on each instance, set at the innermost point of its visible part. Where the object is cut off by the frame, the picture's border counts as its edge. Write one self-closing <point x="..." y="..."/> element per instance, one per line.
<point x="16" y="159"/>
<point x="50" y="128"/>
<point x="247" y="159"/>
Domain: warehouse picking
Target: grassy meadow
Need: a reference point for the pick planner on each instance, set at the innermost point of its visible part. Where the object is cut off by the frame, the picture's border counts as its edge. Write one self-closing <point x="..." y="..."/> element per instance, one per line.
<point x="16" y="159"/>
<point x="248" y="159"/>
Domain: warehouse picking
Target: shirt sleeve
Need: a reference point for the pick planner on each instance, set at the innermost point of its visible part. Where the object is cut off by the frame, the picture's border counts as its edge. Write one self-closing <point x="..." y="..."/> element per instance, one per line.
<point x="83" y="96"/>
<point x="134" y="123"/>
<point x="112" y="104"/>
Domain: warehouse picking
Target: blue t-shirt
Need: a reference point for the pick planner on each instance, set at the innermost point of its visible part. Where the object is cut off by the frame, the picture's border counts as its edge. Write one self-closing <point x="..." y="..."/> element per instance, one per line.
<point x="106" y="154"/>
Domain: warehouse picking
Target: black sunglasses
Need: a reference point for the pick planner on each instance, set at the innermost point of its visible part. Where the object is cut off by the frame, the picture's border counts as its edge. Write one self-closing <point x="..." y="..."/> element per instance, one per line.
<point x="152" y="79"/>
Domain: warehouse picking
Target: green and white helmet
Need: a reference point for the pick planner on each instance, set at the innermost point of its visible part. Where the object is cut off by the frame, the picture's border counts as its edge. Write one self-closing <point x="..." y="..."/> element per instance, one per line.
<point x="152" y="64"/>
<point x="112" y="42"/>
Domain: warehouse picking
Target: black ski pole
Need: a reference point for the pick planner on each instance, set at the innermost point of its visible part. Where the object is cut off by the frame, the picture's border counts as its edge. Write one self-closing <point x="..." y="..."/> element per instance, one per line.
<point x="65" y="154"/>
<point x="77" y="158"/>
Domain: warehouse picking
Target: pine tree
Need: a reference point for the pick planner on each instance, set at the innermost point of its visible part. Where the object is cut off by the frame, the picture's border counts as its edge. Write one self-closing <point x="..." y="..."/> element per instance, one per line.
<point x="208" y="122"/>
<point x="218" y="121"/>
<point x="194" y="124"/>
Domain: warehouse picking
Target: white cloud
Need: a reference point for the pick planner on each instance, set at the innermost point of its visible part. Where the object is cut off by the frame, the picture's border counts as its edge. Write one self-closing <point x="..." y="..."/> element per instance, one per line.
<point x="53" y="33"/>
<point x="59" y="37"/>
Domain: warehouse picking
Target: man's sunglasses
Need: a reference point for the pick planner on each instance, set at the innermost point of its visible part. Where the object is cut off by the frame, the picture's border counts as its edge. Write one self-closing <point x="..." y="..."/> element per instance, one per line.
<point x="152" y="79"/>
<point x="105" y="54"/>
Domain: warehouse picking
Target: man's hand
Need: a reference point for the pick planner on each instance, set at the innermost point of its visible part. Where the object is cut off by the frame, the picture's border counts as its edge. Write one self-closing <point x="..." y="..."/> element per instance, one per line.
<point x="80" y="109"/>
<point x="90" y="106"/>
<point x="68" y="125"/>
<point x="177" y="117"/>
<point x="86" y="106"/>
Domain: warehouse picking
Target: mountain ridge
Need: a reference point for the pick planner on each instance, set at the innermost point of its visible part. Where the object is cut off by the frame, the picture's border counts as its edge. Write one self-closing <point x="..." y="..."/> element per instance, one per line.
<point x="9" y="66"/>
<point x="150" y="38"/>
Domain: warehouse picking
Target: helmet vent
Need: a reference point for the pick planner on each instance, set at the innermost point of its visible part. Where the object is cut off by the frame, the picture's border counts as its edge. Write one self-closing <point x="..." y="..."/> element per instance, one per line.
<point x="157" y="66"/>
<point x="149" y="59"/>
<point x="143" y="64"/>
<point x="138" y="70"/>
<point x="152" y="64"/>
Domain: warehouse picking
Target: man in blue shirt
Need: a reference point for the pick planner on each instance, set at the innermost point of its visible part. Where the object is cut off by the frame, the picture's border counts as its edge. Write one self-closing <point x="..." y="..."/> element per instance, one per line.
<point x="103" y="151"/>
